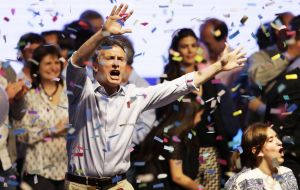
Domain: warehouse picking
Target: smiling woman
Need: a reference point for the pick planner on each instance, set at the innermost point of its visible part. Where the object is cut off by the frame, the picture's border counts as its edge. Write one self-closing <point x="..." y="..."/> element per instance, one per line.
<point x="262" y="154"/>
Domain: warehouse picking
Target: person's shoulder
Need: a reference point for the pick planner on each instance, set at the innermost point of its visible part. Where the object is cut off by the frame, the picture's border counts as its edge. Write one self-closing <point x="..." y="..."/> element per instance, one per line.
<point x="283" y="170"/>
<point x="238" y="177"/>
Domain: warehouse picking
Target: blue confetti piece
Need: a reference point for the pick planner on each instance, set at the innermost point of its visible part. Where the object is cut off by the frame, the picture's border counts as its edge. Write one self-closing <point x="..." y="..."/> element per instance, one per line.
<point x="286" y="97"/>
<point x="158" y="139"/>
<point x="260" y="17"/>
<point x="113" y="136"/>
<point x="211" y="171"/>
<point x="234" y="34"/>
<point x="251" y="4"/>
<point x="139" y="163"/>
<point x="153" y="30"/>
<point x="159" y="185"/>
<point x="163" y="6"/>
<point x="292" y="108"/>
<point x="176" y="108"/>
<point x="177" y="123"/>
<point x="12" y="183"/>
<point x="19" y="131"/>
<point x="106" y="47"/>
<point x="253" y="36"/>
<point x="139" y="54"/>
<point x="116" y="179"/>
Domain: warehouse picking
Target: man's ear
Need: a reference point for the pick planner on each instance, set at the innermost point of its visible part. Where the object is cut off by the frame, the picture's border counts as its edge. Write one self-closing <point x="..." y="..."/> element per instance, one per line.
<point x="254" y="149"/>
<point x="95" y="67"/>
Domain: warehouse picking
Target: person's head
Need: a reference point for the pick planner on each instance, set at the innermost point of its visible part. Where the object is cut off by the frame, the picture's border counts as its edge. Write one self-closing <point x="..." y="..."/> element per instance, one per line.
<point x="261" y="144"/>
<point x="185" y="44"/>
<point x="264" y="39"/>
<point x="129" y="54"/>
<point x="45" y="65"/>
<point x="27" y="44"/>
<point x="295" y="28"/>
<point x="110" y="63"/>
<point x="79" y="31"/>
<point x="51" y="36"/>
<point x="213" y="33"/>
<point x="94" y="18"/>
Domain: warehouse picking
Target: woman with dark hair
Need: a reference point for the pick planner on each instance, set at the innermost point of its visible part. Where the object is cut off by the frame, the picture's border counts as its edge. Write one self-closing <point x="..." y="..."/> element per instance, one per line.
<point x="262" y="153"/>
<point x="44" y="122"/>
<point x="178" y="119"/>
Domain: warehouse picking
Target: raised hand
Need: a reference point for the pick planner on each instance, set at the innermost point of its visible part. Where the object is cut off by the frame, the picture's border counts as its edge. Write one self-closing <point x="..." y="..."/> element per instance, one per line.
<point x="233" y="59"/>
<point x="117" y="18"/>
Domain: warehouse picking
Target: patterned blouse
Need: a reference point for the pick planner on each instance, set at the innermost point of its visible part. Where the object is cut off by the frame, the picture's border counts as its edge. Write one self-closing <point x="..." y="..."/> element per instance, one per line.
<point x="255" y="179"/>
<point x="44" y="156"/>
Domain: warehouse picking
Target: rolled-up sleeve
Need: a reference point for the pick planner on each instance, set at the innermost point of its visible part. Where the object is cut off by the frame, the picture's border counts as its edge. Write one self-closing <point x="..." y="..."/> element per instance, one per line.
<point x="76" y="78"/>
<point x="167" y="92"/>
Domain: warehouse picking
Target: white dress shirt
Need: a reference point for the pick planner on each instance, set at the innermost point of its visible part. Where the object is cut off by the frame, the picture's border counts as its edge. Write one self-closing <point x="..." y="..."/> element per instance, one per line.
<point x="104" y="124"/>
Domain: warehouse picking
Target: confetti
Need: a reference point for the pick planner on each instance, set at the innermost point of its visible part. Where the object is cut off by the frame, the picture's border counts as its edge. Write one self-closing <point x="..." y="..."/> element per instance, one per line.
<point x="163" y="6"/>
<point x="158" y="139"/>
<point x="286" y="97"/>
<point x="177" y="59"/>
<point x="35" y="179"/>
<point x="234" y="89"/>
<point x="222" y="162"/>
<point x="160" y="157"/>
<point x="162" y="176"/>
<point x="6" y="19"/>
<point x="292" y="108"/>
<point x="19" y="131"/>
<point x="139" y="163"/>
<point x="144" y="23"/>
<point x="244" y="19"/>
<point x="288" y="140"/>
<point x="169" y="148"/>
<point x="280" y="88"/>
<point x="153" y="30"/>
<point x="291" y="77"/>
<point x="219" y="138"/>
<point x="236" y="113"/>
<point x="13" y="11"/>
<point x="211" y="171"/>
<point x="159" y="185"/>
<point x="116" y="179"/>
<point x="216" y="81"/>
<point x="176" y="139"/>
<point x="275" y="57"/>
<point x="234" y="34"/>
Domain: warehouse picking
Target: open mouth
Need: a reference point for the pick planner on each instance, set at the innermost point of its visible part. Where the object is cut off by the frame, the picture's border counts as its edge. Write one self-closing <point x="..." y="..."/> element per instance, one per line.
<point x="115" y="74"/>
<point x="281" y="151"/>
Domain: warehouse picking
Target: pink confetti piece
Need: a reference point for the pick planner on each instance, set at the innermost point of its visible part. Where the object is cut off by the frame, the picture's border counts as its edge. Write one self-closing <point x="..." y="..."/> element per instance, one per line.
<point x="144" y="23"/>
<point x="6" y="19"/>
<point x="13" y="10"/>
<point x="216" y="81"/>
<point x="219" y="138"/>
<point x="222" y="162"/>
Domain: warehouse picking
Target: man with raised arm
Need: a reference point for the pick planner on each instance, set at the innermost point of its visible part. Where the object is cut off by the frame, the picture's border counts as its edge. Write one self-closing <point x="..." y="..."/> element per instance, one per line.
<point x="103" y="112"/>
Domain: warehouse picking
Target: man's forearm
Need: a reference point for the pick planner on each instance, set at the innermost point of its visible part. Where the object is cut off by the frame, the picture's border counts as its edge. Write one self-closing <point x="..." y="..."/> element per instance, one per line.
<point x="87" y="49"/>
<point x="204" y="75"/>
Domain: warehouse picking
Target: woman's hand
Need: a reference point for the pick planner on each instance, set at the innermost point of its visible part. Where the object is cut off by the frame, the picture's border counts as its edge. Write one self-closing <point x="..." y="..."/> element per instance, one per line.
<point x="117" y="18"/>
<point x="233" y="59"/>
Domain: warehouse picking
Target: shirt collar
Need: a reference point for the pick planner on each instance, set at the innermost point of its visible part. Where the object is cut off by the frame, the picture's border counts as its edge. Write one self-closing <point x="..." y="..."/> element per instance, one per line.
<point x="98" y="88"/>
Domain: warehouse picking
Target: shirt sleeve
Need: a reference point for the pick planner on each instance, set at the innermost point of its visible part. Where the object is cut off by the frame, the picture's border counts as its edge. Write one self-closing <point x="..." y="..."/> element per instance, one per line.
<point x="76" y="79"/>
<point x="167" y="92"/>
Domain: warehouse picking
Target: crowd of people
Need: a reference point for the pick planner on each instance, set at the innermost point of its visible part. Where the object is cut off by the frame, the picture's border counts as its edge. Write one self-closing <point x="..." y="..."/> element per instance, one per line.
<point x="81" y="118"/>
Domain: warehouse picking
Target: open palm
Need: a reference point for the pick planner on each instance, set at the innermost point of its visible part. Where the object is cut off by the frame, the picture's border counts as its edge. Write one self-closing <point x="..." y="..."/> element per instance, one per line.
<point x="117" y="18"/>
<point x="233" y="59"/>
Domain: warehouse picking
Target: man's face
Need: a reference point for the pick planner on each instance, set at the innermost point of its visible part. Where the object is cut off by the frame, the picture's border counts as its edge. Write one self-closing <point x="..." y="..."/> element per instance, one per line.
<point x="272" y="149"/>
<point x="110" y="67"/>
<point x="214" y="47"/>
